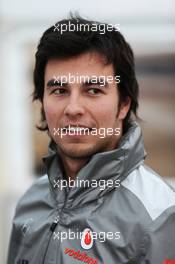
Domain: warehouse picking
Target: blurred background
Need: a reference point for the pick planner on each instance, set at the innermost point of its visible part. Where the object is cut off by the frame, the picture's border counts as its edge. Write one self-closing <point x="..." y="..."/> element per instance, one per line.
<point x="149" y="26"/>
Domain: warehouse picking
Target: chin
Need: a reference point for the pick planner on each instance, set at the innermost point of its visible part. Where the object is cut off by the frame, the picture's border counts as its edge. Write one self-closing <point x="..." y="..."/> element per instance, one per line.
<point x="84" y="150"/>
<point x="78" y="150"/>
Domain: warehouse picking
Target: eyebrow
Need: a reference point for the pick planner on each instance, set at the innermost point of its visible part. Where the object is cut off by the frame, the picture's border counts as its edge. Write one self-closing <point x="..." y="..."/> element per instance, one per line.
<point x="53" y="82"/>
<point x="89" y="82"/>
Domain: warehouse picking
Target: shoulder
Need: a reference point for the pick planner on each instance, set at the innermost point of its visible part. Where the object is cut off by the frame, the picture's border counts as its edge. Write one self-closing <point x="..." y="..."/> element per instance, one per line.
<point x="153" y="192"/>
<point x="39" y="185"/>
<point x="36" y="196"/>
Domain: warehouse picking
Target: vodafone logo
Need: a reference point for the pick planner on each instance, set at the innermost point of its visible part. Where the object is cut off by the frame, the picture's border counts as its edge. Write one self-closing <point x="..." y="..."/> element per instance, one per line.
<point x="87" y="239"/>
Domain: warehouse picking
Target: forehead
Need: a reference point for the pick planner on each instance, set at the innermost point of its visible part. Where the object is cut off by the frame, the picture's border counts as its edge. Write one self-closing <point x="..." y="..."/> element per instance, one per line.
<point x="90" y="63"/>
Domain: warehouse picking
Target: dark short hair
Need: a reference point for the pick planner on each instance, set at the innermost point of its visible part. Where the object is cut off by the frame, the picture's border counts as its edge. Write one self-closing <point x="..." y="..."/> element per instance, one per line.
<point x="111" y="45"/>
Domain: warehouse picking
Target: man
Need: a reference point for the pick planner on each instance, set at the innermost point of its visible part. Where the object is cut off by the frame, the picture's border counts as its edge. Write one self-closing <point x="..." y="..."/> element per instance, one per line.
<point x="98" y="202"/>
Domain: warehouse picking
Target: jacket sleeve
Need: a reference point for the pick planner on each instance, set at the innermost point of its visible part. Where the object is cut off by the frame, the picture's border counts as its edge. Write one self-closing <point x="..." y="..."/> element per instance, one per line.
<point x="159" y="242"/>
<point x="14" y="241"/>
<point x="12" y="248"/>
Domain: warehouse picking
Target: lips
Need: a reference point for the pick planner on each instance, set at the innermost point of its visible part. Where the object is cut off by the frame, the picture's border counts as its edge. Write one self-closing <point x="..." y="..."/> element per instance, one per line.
<point x="77" y="130"/>
<point x="77" y="127"/>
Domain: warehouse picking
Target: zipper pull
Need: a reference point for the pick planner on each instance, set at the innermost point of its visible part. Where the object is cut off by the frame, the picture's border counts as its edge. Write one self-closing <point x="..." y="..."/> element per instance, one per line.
<point x="54" y="224"/>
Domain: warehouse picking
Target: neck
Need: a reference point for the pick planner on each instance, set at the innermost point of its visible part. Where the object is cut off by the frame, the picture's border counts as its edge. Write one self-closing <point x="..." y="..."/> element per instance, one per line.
<point x="73" y="166"/>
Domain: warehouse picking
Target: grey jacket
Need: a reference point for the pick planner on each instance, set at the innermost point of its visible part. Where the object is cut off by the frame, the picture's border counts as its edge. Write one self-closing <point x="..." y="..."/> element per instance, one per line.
<point x="130" y="220"/>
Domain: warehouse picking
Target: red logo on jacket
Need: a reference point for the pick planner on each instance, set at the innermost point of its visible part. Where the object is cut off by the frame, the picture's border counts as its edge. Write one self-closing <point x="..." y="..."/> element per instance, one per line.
<point x="87" y="239"/>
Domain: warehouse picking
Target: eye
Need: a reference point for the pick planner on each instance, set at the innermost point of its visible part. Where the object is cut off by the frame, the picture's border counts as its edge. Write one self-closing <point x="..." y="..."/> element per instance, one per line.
<point x="59" y="91"/>
<point x="94" y="91"/>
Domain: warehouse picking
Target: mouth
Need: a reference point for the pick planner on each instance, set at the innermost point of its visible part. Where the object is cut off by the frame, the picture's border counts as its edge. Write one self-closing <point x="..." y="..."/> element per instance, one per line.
<point x="76" y="129"/>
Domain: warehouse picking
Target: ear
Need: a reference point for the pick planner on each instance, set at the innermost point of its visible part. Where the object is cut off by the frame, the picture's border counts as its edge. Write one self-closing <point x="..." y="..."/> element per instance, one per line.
<point x="124" y="107"/>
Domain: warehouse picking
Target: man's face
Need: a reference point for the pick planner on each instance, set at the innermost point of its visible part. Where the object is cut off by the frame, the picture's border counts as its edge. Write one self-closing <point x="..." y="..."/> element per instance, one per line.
<point x="83" y="104"/>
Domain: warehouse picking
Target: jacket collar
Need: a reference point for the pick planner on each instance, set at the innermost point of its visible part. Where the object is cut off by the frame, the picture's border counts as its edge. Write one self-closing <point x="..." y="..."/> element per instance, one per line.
<point x="114" y="165"/>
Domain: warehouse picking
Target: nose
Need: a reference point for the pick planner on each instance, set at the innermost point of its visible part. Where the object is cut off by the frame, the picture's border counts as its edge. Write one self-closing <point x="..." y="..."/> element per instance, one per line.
<point x="74" y="106"/>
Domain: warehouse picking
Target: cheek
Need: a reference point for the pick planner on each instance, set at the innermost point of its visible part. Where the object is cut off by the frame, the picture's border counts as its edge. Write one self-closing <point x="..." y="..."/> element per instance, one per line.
<point x="106" y="113"/>
<point x="51" y="112"/>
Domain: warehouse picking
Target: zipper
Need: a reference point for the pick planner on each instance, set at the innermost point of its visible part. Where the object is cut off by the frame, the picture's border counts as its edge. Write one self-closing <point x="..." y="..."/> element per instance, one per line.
<point x="51" y="230"/>
<point x="54" y="224"/>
